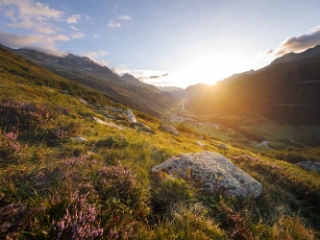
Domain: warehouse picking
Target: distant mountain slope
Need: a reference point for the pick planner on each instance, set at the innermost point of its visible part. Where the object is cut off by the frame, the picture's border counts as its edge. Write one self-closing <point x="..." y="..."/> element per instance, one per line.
<point x="82" y="70"/>
<point x="310" y="53"/>
<point x="171" y="89"/>
<point x="288" y="92"/>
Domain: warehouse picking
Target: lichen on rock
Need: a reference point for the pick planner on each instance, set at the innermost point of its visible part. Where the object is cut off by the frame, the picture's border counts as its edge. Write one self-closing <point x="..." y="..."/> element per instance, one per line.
<point x="211" y="172"/>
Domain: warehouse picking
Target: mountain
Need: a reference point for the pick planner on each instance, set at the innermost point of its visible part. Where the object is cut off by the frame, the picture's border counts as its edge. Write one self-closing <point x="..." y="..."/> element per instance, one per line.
<point x="288" y="91"/>
<point x="171" y="89"/>
<point x="309" y="53"/>
<point x="82" y="70"/>
<point x="71" y="171"/>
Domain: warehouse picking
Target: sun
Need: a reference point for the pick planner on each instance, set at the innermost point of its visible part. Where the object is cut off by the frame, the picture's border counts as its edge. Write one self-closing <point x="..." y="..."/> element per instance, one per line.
<point x="211" y="67"/>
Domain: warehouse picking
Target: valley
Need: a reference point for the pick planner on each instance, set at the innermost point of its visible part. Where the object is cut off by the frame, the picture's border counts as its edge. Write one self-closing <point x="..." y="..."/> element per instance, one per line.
<point x="78" y="163"/>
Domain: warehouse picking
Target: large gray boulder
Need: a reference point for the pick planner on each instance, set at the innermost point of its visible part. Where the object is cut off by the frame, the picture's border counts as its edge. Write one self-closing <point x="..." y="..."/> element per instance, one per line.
<point x="310" y="165"/>
<point x="169" y="129"/>
<point x="211" y="172"/>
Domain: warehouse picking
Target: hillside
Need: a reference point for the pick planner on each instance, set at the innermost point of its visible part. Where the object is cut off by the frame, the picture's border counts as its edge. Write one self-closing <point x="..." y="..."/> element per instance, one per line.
<point x="285" y="91"/>
<point x="72" y="166"/>
<point x="82" y="70"/>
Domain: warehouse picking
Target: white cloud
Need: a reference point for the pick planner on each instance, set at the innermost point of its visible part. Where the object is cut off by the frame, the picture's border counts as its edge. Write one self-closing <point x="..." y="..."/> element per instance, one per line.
<point x="73" y="19"/>
<point x="97" y="57"/>
<point x="78" y="35"/>
<point x="316" y="28"/>
<point x="31" y="8"/>
<point x="299" y="43"/>
<point x="96" y="54"/>
<point x="95" y="36"/>
<point x="114" y="24"/>
<point x="125" y="17"/>
<point x="59" y="37"/>
<point x="38" y="42"/>
<point x="116" y="71"/>
<point x="74" y="28"/>
<point x="30" y="15"/>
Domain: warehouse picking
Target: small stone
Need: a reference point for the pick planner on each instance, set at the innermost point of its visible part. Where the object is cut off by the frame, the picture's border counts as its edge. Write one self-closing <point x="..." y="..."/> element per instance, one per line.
<point x="223" y="146"/>
<point x="310" y="165"/>
<point x="79" y="139"/>
<point x="200" y="144"/>
<point x="169" y="129"/>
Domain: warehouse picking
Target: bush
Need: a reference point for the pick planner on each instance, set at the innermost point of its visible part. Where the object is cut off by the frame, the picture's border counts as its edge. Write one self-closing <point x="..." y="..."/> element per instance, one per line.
<point x="79" y="221"/>
<point x="113" y="142"/>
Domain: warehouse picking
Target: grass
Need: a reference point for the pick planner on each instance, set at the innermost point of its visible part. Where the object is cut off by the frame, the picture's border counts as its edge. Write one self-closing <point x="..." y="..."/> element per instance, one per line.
<point x="47" y="179"/>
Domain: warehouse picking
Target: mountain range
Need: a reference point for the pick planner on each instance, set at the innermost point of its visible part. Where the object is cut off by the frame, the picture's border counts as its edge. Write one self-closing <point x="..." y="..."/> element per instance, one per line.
<point x="287" y="91"/>
<point x="126" y="89"/>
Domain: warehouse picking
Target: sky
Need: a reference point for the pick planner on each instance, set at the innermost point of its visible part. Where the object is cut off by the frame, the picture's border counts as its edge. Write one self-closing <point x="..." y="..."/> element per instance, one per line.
<point x="164" y="42"/>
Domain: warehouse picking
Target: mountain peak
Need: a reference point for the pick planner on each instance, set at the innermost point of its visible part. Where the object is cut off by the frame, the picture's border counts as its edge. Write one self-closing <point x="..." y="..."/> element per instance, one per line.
<point x="289" y="57"/>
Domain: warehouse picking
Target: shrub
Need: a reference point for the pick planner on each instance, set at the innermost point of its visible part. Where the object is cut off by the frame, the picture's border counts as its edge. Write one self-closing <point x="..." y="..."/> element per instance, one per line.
<point x="113" y="142"/>
<point x="291" y="228"/>
<point x="8" y="144"/>
<point x="80" y="220"/>
<point x="125" y="205"/>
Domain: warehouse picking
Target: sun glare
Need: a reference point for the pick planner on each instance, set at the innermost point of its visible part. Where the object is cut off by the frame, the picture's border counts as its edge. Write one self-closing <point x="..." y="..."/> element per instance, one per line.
<point x="210" y="68"/>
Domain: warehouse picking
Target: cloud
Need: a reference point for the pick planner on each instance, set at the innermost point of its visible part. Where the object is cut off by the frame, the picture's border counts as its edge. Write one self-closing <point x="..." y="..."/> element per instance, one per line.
<point x="96" y="54"/>
<point x="114" y="24"/>
<point x="316" y="28"/>
<point x="78" y="35"/>
<point x="74" y="28"/>
<point x="155" y="77"/>
<point x="269" y="51"/>
<point x="30" y="8"/>
<point x="116" y="71"/>
<point x="125" y="17"/>
<point x="30" y="15"/>
<point x="73" y="19"/>
<point x="59" y="37"/>
<point x="95" y="36"/>
<point x="37" y="42"/>
<point x="97" y="57"/>
<point x="300" y="43"/>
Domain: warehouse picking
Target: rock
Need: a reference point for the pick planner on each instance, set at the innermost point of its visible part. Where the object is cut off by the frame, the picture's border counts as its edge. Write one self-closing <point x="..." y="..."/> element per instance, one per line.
<point x="79" y="139"/>
<point x="223" y="146"/>
<point x="138" y="124"/>
<point x="169" y="129"/>
<point x="130" y="115"/>
<point x="200" y="144"/>
<point x="146" y="129"/>
<point x="310" y="165"/>
<point x="83" y="101"/>
<point x="142" y="127"/>
<point x="110" y="116"/>
<point x="107" y="123"/>
<point x="113" y="109"/>
<point x="65" y="92"/>
<point x="211" y="172"/>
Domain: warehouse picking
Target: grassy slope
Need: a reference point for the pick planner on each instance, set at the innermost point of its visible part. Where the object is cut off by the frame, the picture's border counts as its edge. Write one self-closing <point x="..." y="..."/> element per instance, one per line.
<point x="42" y="170"/>
<point x="140" y="96"/>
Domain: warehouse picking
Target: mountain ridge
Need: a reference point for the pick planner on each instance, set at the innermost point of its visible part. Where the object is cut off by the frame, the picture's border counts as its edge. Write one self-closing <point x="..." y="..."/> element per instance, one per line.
<point x="83" y="70"/>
